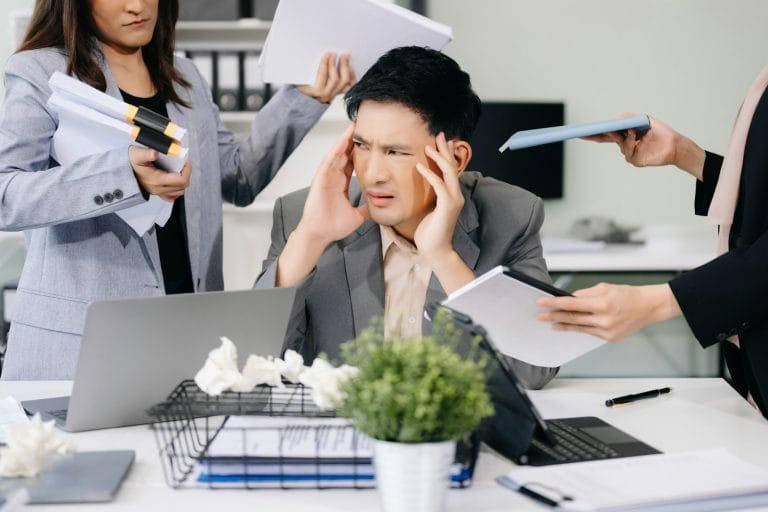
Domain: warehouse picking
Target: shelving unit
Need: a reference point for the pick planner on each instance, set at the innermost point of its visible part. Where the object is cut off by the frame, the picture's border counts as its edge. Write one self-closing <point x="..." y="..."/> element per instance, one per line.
<point x="245" y="34"/>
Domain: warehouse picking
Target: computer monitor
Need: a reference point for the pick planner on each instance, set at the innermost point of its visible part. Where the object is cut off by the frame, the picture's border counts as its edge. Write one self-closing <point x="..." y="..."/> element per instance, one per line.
<point x="538" y="169"/>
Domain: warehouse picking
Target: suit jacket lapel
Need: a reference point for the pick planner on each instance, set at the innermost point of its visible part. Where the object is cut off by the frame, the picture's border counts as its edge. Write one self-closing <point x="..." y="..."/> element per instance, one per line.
<point x="365" y="274"/>
<point x="193" y="192"/>
<point x="464" y="246"/>
<point x="149" y="238"/>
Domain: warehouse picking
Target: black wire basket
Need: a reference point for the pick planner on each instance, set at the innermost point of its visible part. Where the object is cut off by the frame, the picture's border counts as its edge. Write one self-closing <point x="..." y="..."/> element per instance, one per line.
<point x="268" y="438"/>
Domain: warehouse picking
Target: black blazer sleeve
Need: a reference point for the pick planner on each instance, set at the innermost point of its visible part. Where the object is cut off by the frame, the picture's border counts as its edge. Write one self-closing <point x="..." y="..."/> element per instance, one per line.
<point x="726" y="296"/>
<point x="705" y="189"/>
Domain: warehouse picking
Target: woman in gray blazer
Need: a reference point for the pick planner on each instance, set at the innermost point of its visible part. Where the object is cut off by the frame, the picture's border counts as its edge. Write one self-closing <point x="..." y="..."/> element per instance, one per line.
<point x="78" y="249"/>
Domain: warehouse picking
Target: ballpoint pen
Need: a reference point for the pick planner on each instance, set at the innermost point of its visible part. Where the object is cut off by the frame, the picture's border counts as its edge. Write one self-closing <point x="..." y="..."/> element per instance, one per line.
<point x="637" y="396"/>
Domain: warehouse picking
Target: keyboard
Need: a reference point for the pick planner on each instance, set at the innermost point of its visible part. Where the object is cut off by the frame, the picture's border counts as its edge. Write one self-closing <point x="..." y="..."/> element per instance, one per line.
<point x="573" y="445"/>
<point x="60" y="414"/>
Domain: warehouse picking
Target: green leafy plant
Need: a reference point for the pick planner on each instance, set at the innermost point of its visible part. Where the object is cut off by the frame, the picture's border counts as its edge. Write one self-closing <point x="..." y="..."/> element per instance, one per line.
<point x="415" y="390"/>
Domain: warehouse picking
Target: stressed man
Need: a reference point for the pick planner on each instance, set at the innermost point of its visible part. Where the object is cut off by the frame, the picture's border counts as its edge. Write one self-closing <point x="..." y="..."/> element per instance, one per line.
<point x="412" y="226"/>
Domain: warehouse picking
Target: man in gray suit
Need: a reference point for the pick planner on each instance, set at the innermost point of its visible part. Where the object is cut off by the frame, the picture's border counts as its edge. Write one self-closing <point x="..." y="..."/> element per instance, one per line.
<point x="413" y="226"/>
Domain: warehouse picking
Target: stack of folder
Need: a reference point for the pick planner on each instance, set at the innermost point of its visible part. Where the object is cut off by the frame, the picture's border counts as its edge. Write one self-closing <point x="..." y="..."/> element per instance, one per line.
<point x="92" y="122"/>
<point x="298" y="452"/>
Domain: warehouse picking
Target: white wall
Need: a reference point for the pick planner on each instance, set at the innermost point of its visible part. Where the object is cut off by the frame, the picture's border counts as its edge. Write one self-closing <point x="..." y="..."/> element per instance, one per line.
<point x="688" y="62"/>
<point x="6" y="46"/>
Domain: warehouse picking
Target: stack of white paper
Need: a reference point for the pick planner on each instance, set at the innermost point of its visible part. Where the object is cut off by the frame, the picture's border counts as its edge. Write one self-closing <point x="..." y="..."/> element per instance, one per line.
<point x="303" y="30"/>
<point x="92" y="122"/>
<point x="700" y="480"/>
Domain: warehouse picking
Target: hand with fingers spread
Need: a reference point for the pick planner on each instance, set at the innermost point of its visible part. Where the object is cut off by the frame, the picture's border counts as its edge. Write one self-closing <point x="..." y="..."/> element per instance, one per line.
<point x="328" y="215"/>
<point x="610" y="311"/>
<point x="661" y="145"/>
<point x="332" y="79"/>
<point x="168" y="185"/>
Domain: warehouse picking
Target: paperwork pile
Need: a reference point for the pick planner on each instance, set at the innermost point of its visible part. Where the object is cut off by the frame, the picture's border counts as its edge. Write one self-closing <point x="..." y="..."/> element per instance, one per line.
<point x="92" y="122"/>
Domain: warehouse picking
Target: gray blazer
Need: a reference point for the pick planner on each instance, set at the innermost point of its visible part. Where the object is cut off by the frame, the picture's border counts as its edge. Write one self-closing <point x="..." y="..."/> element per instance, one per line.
<point x="498" y="225"/>
<point x="78" y="250"/>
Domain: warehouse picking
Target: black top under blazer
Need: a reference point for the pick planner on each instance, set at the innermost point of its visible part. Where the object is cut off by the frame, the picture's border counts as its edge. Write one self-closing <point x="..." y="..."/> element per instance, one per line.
<point x="729" y="295"/>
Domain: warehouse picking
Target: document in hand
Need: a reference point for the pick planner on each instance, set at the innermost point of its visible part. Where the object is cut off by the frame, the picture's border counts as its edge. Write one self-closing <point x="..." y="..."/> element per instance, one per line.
<point x="540" y="136"/>
<point x="504" y="303"/>
<point x="303" y="30"/>
<point x="674" y="482"/>
<point x="92" y="122"/>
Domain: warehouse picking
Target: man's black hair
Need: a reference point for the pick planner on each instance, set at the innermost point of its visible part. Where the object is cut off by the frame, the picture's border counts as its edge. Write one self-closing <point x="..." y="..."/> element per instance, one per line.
<point x="426" y="81"/>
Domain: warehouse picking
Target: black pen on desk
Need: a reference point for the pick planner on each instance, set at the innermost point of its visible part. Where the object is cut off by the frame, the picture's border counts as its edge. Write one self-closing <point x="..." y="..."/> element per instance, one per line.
<point x="637" y="396"/>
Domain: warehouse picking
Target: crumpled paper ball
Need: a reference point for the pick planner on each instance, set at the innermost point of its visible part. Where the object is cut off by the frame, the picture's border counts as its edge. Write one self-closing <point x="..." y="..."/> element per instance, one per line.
<point x="30" y="444"/>
<point x="325" y="381"/>
<point x="219" y="373"/>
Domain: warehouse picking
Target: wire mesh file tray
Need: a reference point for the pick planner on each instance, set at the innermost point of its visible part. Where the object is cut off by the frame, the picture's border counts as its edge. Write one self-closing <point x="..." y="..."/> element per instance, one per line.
<point x="268" y="438"/>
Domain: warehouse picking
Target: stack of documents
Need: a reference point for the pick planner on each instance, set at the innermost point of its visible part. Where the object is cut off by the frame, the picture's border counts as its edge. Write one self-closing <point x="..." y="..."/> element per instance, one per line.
<point x="292" y="452"/>
<point x="92" y="122"/>
<point x="288" y="450"/>
<point x="303" y="30"/>
<point x="700" y="480"/>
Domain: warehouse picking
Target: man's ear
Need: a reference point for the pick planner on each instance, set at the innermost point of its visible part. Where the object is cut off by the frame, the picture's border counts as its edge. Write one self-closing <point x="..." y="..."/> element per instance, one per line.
<point x="462" y="152"/>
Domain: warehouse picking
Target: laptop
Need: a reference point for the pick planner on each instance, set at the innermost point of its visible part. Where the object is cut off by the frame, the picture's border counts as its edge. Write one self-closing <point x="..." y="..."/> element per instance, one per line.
<point x="553" y="441"/>
<point x="134" y="352"/>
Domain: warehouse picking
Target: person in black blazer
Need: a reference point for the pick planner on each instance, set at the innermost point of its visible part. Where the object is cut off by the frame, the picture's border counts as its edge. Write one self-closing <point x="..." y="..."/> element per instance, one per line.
<point x="724" y="301"/>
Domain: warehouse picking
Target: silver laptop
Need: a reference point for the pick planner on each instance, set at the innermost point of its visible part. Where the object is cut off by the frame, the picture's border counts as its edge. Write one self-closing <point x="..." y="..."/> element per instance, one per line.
<point x="135" y="351"/>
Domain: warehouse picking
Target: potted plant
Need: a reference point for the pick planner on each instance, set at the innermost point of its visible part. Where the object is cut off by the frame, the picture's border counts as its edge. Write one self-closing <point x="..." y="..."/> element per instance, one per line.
<point x="415" y="397"/>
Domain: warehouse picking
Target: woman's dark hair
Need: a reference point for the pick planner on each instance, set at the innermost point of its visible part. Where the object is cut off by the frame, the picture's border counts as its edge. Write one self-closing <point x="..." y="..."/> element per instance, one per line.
<point x="426" y="81"/>
<point x="68" y="24"/>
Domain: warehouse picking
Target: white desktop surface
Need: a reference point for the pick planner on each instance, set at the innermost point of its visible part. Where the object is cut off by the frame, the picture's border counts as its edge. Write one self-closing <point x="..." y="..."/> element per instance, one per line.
<point x="667" y="247"/>
<point x="699" y="413"/>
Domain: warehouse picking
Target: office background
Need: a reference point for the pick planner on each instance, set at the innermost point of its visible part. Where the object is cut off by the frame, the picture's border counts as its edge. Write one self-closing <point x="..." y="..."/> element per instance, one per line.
<point x="688" y="62"/>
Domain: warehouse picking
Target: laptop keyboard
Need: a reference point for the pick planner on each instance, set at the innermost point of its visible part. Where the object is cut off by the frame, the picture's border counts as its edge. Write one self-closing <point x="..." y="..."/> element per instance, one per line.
<point x="60" y="414"/>
<point x="573" y="445"/>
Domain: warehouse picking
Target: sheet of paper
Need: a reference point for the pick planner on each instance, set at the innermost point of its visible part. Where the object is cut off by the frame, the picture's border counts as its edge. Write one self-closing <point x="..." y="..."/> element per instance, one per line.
<point x="303" y="30"/>
<point x="539" y="136"/>
<point x="651" y="480"/>
<point x="11" y="413"/>
<point x="507" y="309"/>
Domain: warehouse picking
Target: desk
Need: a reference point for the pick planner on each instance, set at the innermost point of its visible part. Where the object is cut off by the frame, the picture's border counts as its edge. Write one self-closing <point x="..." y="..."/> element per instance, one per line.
<point x="699" y="413"/>
<point x="667" y="248"/>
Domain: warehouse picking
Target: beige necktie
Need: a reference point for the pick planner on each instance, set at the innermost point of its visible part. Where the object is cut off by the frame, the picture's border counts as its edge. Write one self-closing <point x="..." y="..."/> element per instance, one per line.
<point x="723" y="204"/>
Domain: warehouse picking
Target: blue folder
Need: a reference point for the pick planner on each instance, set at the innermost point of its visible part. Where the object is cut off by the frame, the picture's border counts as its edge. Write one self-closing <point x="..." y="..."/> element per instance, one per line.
<point x="529" y="138"/>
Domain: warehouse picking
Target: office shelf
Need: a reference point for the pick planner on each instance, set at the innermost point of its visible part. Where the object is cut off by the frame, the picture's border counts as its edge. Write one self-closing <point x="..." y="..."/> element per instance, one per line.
<point x="246" y="34"/>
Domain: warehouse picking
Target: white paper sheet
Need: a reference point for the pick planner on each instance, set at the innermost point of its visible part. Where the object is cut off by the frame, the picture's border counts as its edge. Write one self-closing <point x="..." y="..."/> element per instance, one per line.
<point x="303" y="30"/>
<point x="644" y="482"/>
<point x="507" y="309"/>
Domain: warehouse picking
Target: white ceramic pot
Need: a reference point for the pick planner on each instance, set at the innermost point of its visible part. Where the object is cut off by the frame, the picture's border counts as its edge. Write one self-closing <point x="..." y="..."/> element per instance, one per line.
<point x="413" y="477"/>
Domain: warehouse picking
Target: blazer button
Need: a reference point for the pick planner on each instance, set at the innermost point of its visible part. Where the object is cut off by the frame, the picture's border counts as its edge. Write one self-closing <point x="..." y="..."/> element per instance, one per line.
<point x="118" y="193"/>
<point x="721" y="337"/>
<point x="109" y="197"/>
<point x="98" y="200"/>
<point x="746" y="325"/>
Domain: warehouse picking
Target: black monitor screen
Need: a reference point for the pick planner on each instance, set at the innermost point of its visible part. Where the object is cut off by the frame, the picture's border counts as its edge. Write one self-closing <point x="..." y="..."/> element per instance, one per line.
<point x="538" y="169"/>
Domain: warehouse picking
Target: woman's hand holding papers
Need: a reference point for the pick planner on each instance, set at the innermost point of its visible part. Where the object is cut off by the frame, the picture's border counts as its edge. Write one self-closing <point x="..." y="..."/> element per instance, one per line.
<point x="168" y="185"/>
<point x="331" y="80"/>
<point x="661" y="145"/>
<point x="610" y="311"/>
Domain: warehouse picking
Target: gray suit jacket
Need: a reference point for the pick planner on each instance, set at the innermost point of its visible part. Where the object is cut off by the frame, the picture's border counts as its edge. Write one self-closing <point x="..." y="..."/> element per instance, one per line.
<point x="79" y="251"/>
<point x="498" y="225"/>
